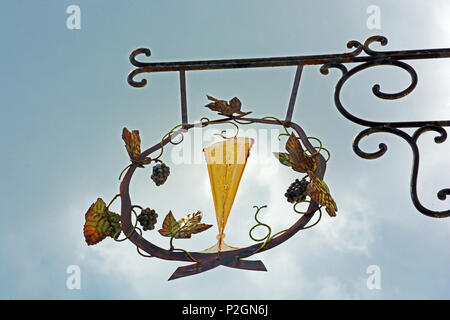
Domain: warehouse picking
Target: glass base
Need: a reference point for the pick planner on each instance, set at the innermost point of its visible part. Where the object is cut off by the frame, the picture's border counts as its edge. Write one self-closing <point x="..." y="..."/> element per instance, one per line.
<point x="220" y="246"/>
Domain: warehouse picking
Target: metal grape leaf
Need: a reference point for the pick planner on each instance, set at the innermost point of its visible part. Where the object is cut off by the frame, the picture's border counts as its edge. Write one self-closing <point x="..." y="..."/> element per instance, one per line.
<point x="183" y="228"/>
<point x="133" y="146"/>
<point x="170" y="226"/>
<point x="300" y="162"/>
<point x="318" y="191"/>
<point x="283" y="158"/>
<point x="100" y="223"/>
<point x="225" y="108"/>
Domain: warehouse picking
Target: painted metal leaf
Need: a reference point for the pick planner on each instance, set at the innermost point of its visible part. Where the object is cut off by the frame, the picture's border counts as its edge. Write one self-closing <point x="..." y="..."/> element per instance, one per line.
<point x="191" y="224"/>
<point x="224" y="107"/>
<point x="170" y="226"/>
<point x="183" y="228"/>
<point x="100" y="223"/>
<point x="283" y="158"/>
<point x="318" y="191"/>
<point x="132" y="143"/>
<point x="300" y="162"/>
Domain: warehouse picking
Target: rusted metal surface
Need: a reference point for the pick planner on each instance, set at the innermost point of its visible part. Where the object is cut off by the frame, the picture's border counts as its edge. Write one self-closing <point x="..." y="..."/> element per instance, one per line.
<point x="298" y="75"/>
<point x="391" y="127"/>
<point x="349" y="57"/>
<point x="412" y="141"/>
<point x="184" y="116"/>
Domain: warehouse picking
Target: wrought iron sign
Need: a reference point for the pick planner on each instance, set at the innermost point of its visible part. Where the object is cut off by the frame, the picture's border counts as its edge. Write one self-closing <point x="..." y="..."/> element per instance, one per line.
<point x="304" y="154"/>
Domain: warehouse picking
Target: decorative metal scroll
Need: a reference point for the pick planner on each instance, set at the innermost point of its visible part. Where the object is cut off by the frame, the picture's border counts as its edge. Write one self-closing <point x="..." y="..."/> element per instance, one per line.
<point x="382" y="58"/>
<point x="372" y="58"/>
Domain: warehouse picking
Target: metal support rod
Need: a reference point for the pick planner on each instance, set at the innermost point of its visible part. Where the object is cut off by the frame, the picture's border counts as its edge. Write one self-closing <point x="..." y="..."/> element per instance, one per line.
<point x="184" y="117"/>
<point x="284" y="61"/>
<point x="348" y="57"/>
<point x="298" y="75"/>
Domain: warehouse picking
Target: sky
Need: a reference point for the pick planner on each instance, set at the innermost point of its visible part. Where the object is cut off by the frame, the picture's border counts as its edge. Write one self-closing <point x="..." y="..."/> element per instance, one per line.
<point x="65" y="99"/>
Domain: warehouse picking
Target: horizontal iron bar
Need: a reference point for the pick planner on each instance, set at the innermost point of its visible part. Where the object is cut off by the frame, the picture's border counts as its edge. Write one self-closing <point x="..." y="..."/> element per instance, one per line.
<point x="292" y="61"/>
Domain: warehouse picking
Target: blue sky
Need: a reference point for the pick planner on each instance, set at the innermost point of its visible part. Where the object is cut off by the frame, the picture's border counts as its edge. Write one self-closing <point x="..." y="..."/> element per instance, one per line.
<point x="65" y="99"/>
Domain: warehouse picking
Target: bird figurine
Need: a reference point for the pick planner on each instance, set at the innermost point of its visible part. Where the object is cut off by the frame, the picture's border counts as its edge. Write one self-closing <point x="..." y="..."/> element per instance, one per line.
<point x="226" y="108"/>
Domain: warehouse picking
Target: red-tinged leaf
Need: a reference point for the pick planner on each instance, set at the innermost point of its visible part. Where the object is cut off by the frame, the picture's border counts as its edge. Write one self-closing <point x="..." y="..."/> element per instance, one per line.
<point x="170" y="226"/>
<point x="100" y="223"/>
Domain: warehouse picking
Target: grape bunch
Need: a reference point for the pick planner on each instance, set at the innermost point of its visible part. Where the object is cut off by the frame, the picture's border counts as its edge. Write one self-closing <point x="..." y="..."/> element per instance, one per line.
<point x="147" y="219"/>
<point x="160" y="173"/>
<point x="296" y="191"/>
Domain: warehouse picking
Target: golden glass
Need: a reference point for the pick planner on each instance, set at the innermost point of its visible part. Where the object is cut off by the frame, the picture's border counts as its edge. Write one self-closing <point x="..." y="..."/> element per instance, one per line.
<point x="226" y="162"/>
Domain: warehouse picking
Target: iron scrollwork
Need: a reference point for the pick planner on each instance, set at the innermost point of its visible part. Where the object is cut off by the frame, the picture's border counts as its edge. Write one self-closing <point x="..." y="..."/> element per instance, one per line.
<point x="380" y="58"/>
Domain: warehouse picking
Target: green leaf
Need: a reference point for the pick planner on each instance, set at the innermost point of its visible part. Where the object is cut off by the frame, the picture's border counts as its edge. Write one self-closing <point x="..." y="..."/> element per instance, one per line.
<point x="283" y="158"/>
<point x="170" y="226"/>
<point x="183" y="228"/>
<point x="100" y="223"/>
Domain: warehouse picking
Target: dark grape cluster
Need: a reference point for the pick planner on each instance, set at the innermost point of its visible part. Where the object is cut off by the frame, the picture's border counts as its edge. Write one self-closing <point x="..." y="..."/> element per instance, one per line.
<point x="160" y="173"/>
<point x="296" y="191"/>
<point x="147" y="219"/>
